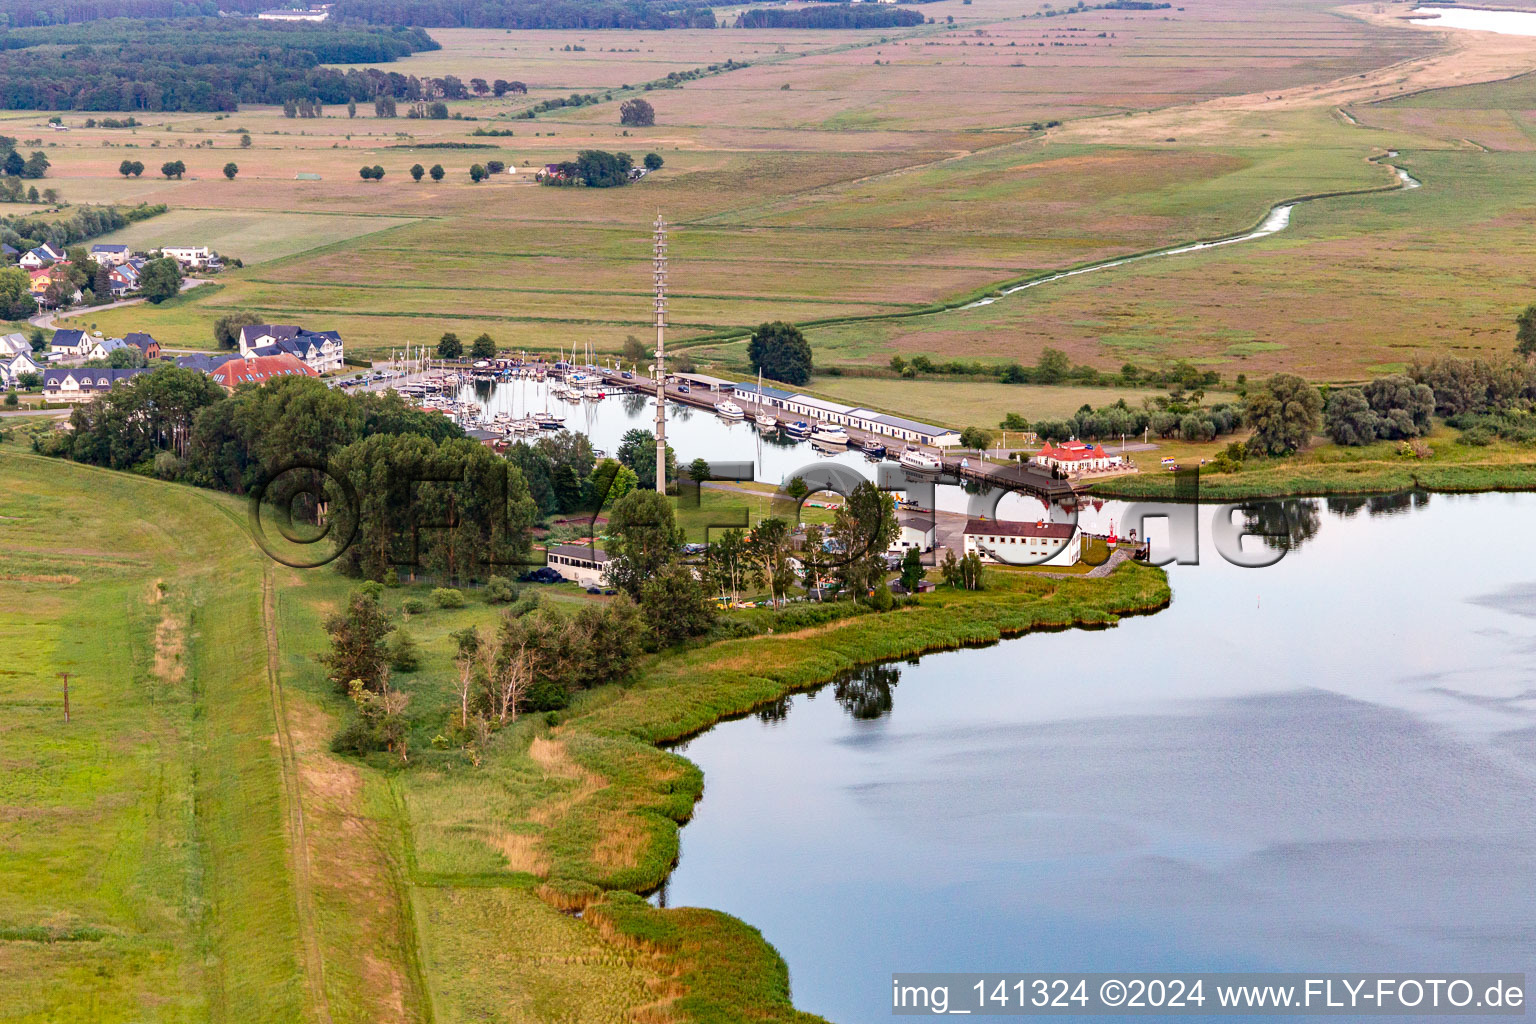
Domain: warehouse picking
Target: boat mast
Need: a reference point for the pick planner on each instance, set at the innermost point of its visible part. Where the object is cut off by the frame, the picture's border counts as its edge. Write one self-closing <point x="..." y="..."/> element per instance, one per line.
<point x="661" y="354"/>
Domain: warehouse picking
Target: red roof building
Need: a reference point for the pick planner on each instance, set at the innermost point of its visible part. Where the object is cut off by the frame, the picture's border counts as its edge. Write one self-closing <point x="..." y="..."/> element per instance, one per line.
<point x="1074" y="455"/>
<point x="259" y="369"/>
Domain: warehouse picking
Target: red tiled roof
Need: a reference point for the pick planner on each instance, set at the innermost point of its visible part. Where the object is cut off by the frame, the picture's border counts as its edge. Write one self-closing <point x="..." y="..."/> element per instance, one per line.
<point x="1072" y="451"/>
<point x="259" y="370"/>
<point x="1009" y="528"/>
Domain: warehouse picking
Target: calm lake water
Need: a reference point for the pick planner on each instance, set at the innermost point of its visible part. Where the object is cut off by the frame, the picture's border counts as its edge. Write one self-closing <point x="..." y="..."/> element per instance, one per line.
<point x="1510" y="23"/>
<point x="1328" y="764"/>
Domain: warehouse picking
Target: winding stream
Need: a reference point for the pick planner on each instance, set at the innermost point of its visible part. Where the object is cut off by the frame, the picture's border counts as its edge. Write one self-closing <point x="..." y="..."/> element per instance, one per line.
<point x="1329" y="764"/>
<point x="1277" y="220"/>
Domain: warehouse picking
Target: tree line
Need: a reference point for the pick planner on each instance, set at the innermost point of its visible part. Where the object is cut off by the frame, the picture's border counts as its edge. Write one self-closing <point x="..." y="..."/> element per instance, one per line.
<point x="531" y="14"/>
<point x="834" y="15"/>
<point x="197" y="64"/>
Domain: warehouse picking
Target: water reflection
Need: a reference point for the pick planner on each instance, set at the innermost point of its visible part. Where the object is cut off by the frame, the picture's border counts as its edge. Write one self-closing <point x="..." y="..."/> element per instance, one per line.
<point x="1284" y="525"/>
<point x="865" y="693"/>
<point x="1378" y="504"/>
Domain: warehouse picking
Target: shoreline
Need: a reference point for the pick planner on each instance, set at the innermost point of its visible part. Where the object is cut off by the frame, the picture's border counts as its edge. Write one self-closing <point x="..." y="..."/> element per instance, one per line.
<point x="623" y="735"/>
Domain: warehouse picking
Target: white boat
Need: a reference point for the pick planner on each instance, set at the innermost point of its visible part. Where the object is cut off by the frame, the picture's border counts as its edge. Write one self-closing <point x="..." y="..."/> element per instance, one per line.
<point x="591" y="392"/>
<point x="827" y="433"/>
<point x="729" y="410"/>
<point x="762" y="419"/>
<point x="916" y="459"/>
<point x="547" y="420"/>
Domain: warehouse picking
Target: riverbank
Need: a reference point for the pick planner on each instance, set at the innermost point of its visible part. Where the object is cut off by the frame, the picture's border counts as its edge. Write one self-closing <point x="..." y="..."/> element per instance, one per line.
<point x="646" y="793"/>
<point x="1328" y="469"/>
<point x="580" y="811"/>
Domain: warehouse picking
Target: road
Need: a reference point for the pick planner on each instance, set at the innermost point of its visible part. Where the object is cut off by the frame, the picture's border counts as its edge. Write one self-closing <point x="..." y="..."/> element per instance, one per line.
<point x="45" y="320"/>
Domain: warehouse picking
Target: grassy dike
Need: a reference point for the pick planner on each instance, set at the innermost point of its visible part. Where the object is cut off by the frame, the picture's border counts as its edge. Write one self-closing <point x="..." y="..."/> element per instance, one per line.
<point x="1327" y="469"/>
<point x="190" y="849"/>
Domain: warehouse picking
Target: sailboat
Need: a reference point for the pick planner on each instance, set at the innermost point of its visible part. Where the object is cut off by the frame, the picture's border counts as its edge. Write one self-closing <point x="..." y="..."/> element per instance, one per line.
<point x="763" y="420"/>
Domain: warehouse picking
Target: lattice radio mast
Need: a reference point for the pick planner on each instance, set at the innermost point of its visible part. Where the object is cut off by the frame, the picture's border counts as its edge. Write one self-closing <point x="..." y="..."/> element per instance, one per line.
<point x="661" y="354"/>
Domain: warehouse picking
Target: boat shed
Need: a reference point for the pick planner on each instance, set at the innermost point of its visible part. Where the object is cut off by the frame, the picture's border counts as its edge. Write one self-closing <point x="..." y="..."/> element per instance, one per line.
<point x="880" y="424"/>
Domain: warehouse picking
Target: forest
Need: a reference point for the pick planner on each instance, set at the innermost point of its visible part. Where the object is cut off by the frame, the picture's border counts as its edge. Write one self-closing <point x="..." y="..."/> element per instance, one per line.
<point x="836" y="15"/>
<point x="197" y="64"/>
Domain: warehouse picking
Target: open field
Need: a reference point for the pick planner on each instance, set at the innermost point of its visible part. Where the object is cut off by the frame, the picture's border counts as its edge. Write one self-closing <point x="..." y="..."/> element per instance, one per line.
<point x="820" y="186"/>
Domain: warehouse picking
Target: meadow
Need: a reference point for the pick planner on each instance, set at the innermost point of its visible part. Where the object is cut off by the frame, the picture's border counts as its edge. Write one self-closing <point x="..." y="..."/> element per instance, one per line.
<point x="861" y="183"/>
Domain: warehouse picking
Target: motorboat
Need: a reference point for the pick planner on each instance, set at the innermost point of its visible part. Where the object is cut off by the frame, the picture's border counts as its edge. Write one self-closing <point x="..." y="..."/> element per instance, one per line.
<point x="831" y="434"/>
<point x="874" y="449"/>
<point x="799" y="429"/>
<point x="729" y="410"/>
<point x="915" y="458"/>
<point x="548" y="421"/>
<point x="765" y="421"/>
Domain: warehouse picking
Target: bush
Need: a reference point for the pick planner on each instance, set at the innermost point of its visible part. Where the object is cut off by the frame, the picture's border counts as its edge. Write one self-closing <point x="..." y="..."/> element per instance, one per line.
<point x="167" y="466"/>
<point x="371" y="589"/>
<point x="499" y="590"/>
<point x="881" y="600"/>
<point x="447" y="597"/>
<point x="413" y="606"/>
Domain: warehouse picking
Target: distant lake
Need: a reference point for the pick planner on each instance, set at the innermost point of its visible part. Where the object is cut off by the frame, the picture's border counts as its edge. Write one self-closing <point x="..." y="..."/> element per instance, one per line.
<point x="1509" y="23"/>
<point x="1329" y="764"/>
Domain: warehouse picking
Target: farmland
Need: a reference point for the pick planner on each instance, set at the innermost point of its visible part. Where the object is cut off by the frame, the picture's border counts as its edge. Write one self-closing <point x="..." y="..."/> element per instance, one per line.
<point x="862" y="183"/>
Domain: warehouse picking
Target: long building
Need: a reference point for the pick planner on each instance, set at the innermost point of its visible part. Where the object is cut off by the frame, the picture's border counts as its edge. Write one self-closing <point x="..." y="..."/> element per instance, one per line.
<point x="820" y="410"/>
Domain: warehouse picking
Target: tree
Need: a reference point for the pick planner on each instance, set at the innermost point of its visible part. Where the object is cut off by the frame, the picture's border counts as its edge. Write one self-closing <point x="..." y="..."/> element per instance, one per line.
<point x="101" y="280"/>
<point x="675" y="604"/>
<point x="642" y="539"/>
<point x="230" y="170"/>
<point x="728" y="565"/>
<point x="634" y="350"/>
<point x="483" y="347"/>
<point x="495" y="166"/>
<point x="449" y="346"/>
<point x="160" y="279"/>
<point x="417" y="171"/>
<point x="476" y="173"/>
<point x="653" y="162"/>
<point x="15" y="164"/>
<point x="637" y="450"/>
<point x="1403" y="408"/>
<point x="125" y="358"/>
<point x="637" y="113"/>
<point x="780" y="352"/>
<point x="357" y="644"/>
<point x="226" y="329"/>
<point x="1525" y="332"/>
<point x="437" y="172"/>
<point x="975" y="437"/>
<point x="138" y="168"/>
<point x="351" y="108"/>
<point x="404" y="655"/>
<point x="1284" y="414"/>
<point x="16" y="295"/>
<point x="1349" y="419"/>
<point x="912" y="571"/>
<point x="769" y="548"/>
<point x="173" y="168"/>
<point x="466" y="659"/>
<point x="864" y="528"/>
<point x="374" y="173"/>
<point x="384" y="106"/>
<point x="245" y="140"/>
<point x="36" y="166"/>
<point x="125" y="168"/>
<point x="1052" y="367"/>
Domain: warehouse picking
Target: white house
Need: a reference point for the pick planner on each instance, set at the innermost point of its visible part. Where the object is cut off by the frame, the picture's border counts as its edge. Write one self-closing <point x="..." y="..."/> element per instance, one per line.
<point x="111" y="255"/>
<point x="579" y="563"/>
<point x="1013" y="543"/>
<point x="77" y="384"/>
<point x="1075" y="456"/>
<point x="917" y="531"/>
<point x="101" y="348"/>
<point x="188" y="255"/>
<point x="321" y="351"/>
<point x="15" y="344"/>
<point x="70" y="344"/>
<point x="14" y="365"/>
<point x="44" y="255"/>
